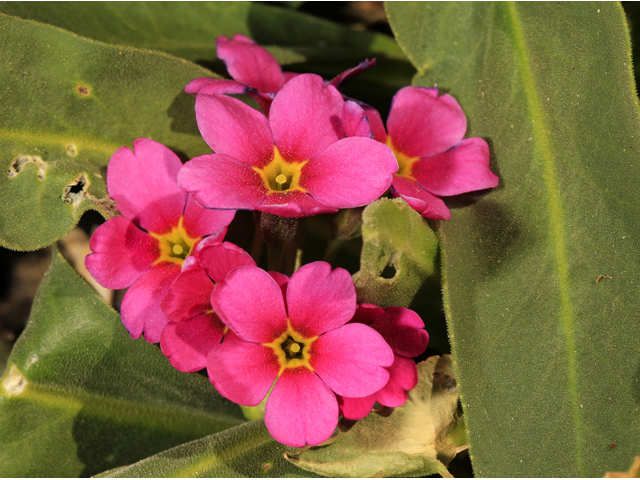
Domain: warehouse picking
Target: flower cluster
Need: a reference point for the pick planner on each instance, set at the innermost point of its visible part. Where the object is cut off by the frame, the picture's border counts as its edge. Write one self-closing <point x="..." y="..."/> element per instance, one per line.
<point x="301" y="341"/>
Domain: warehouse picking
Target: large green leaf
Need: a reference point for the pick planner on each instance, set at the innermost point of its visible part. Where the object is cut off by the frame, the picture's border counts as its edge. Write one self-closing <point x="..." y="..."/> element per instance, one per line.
<point x="68" y="103"/>
<point x="188" y="30"/>
<point x="247" y="450"/>
<point x="546" y="348"/>
<point x="79" y="396"/>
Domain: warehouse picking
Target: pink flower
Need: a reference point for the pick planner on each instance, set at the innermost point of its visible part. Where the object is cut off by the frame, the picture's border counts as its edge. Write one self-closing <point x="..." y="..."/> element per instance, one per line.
<point x="404" y="331"/>
<point x="425" y="134"/>
<point x="194" y="328"/>
<point x="255" y="72"/>
<point x="294" y="334"/>
<point x="295" y="163"/>
<point x="145" y="248"/>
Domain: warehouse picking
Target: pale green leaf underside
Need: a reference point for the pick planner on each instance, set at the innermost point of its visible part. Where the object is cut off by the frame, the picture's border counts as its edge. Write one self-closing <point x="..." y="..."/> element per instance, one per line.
<point x="244" y="451"/>
<point x="547" y="356"/>
<point x="80" y="396"/>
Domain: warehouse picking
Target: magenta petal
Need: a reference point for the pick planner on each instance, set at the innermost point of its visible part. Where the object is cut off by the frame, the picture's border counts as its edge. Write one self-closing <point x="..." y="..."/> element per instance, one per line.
<point x="403" y="330"/>
<point x="344" y="77"/>
<point x="320" y="300"/>
<point x="355" y="121"/>
<point x="242" y="371"/>
<point x="233" y="128"/>
<point x="143" y="183"/>
<point x="219" y="181"/>
<point x="403" y="376"/>
<point x="250" y="302"/>
<point x="421" y="124"/>
<point x="423" y="202"/>
<point x="336" y="176"/>
<point x="301" y="409"/>
<point x="351" y="360"/>
<point x="219" y="259"/>
<point x="141" y="312"/>
<point x="305" y="117"/>
<point x="187" y="344"/>
<point x="250" y="63"/>
<point x="209" y="86"/>
<point x="462" y="169"/>
<point x="367" y="313"/>
<point x="189" y="296"/>
<point x="293" y="204"/>
<point x="282" y="280"/>
<point x="200" y="222"/>
<point x="356" y="408"/>
<point x="123" y="252"/>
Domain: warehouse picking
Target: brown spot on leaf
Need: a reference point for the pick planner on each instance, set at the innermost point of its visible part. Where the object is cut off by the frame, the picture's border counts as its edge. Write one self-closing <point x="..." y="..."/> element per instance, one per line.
<point x="71" y="149"/>
<point x="19" y="162"/>
<point x="83" y="90"/>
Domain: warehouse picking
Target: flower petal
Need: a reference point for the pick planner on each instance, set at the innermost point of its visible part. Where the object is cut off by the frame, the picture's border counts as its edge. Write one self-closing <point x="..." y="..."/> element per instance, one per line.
<point x="421" y="124"/>
<point x="344" y="77"/>
<point x="122" y="252"/>
<point x="375" y="122"/>
<point x="336" y="176"/>
<point x="319" y="299"/>
<point x="209" y="86"/>
<point x="462" y="169"/>
<point x="356" y="408"/>
<point x="219" y="181"/>
<point x="233" y="128"/>
<point x="190" y="295"/>
<point x="250" y="302"/>
<point x="219" y="259"/>
<point x="403" y="330"/>
<point x="188" y="343"/>
<point x="250" y="63"/>
<point x="367" y="313"/>
<point x="301" y="409"/>
<point x="242" y="371"/>
<point x="293" y="204"/>
<point x="141" y="312"/>
<point x="423" y="202"/>
<point x="200" y="222"/>
<point x="403" y="376"/>
<point x="351" y="360"/>
<point x="356" y="123"/>
<point x="306" y="117"/>
<point x="143" y="183"/>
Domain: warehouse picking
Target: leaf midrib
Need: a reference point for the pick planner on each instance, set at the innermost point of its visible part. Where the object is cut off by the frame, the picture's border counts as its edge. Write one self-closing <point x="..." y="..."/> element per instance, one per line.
<point x="556" y="222"/>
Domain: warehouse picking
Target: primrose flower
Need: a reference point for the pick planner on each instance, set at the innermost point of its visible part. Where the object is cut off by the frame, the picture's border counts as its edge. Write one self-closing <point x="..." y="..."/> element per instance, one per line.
<point x="294" y="337"/>
<point x="194" y="328"/>
<point x="295" y="163"/>
<point x="255" y="72"/>
<point x="425" y="134"/>
<point x="146" y="246"/>
<point x="404" y="331"/>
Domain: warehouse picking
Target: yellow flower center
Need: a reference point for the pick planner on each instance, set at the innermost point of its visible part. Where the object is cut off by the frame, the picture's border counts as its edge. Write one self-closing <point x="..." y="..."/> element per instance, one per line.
<point x="174" y="246"/>
<point x="292" y="350"/>
<point x="405" y="162"/>
<point x="280" y="175"/>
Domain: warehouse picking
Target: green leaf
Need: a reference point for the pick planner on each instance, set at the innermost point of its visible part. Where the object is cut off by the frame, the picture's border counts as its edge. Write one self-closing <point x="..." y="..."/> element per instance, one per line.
<point x="189" y="29"/>
<point x="545" y="348"/>
<point x="79" y="396"/>
<point x="243" y="451"/>
<point x="68" y="104"/>
<point x="398" y="264"/>
<point x="417" y="439"/>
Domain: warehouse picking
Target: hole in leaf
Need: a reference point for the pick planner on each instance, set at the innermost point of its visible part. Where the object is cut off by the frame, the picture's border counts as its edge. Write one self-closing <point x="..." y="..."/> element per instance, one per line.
<point x="19" y="162"/>
<point x="389" y="272"/>
<point x="74" y="193"/>
<point x="83" y="90"/>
